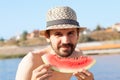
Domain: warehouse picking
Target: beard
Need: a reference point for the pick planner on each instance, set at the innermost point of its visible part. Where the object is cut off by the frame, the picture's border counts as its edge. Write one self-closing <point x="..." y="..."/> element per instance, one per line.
<point x="64" y="50"/>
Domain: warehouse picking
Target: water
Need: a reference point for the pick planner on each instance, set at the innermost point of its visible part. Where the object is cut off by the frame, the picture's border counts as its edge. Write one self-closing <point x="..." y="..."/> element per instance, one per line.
<point x="106" y="68"/>
<point x="8" y="68"/>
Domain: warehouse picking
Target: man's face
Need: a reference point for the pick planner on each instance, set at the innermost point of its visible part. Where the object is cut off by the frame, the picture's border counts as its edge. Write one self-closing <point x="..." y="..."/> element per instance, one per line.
<point x="63" y="41"/>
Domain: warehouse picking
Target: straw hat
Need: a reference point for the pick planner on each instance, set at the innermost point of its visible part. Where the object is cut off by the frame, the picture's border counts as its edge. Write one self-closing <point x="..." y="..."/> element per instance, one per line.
<point x="61" y="18"/>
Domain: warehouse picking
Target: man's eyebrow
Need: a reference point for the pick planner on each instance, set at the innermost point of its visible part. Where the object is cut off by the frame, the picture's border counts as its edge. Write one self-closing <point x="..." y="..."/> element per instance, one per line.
<point x="72" y="31"/>
<point x="56" y="33"/>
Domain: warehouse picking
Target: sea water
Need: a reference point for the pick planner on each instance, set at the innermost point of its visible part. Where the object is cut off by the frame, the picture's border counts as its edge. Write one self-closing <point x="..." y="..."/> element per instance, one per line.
<point x="107" y="67"/>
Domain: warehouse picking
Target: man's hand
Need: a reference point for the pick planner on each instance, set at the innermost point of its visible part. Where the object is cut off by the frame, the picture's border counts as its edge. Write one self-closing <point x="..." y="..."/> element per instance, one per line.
<point x="84" y="75"/>
<point x="43" y="72"/>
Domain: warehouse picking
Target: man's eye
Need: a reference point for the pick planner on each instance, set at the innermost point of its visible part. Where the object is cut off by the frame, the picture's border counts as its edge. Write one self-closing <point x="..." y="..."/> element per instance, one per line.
<point x="70" y="33"/>
<point x="58" y="34"/>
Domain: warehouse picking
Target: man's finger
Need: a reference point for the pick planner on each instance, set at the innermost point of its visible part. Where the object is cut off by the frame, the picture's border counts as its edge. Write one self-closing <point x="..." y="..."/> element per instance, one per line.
<point x="86" y="72"/>
<point x="47" y="66"/>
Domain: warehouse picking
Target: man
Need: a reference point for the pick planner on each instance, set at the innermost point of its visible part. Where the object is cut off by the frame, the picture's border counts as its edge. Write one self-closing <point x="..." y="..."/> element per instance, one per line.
<point x="62" y="33"/>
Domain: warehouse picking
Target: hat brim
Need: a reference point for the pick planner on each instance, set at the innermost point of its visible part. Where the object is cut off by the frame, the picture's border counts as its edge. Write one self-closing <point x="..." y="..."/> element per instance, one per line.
<point x="66" y="26"/>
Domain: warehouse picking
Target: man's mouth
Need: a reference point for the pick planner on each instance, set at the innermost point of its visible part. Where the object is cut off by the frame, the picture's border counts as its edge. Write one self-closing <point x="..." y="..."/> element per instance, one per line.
<point x="66" y="46"/>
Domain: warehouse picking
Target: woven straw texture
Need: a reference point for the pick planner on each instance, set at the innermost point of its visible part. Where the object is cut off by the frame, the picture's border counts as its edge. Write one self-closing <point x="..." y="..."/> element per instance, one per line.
<point x="61" y="13"/>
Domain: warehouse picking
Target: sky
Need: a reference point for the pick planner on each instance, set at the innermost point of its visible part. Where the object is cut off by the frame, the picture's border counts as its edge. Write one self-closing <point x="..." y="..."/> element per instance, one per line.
<point x="17" y="16"/>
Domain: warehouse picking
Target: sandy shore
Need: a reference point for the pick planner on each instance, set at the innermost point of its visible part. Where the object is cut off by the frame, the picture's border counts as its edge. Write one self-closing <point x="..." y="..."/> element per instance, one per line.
<point x="13" y="50"/>
<point x="106" y="47"/>
<point x="25" y="50"/>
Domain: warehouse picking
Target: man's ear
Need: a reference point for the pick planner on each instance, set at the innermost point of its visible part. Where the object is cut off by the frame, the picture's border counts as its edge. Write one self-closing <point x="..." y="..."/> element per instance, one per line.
<point x="47" y="35"/>
<point x="78" y="34"/>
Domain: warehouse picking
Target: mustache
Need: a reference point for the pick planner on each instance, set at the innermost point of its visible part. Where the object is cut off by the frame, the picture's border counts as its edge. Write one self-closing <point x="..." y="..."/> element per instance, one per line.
<point x="66" y="45"/>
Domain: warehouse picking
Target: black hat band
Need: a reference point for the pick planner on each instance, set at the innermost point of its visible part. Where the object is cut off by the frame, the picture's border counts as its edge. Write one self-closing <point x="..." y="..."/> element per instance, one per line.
<point x="62" y="21"/>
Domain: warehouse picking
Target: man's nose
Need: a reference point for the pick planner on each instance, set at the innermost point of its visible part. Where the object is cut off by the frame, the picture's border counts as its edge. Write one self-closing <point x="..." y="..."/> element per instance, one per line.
<point x="65" y="39"/>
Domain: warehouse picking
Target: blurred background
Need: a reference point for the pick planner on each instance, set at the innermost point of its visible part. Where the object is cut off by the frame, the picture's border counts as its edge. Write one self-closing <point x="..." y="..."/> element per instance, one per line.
<point x="21" y="21"/>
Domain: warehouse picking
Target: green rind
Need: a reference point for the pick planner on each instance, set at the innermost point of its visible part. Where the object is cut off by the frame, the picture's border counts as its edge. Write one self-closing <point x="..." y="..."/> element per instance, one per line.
<point x="73" y="70"/>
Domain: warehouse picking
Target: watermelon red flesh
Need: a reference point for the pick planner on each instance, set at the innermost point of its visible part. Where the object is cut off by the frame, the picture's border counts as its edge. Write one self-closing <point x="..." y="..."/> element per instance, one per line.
<point x="68" y="65"/>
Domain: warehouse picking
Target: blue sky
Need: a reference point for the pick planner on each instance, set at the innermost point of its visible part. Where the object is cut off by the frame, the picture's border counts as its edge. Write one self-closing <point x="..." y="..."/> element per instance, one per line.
<point x="17" y="16"/>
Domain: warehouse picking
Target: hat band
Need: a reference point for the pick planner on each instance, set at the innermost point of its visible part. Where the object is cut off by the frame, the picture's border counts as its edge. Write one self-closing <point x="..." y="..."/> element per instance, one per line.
<point x="62" y="21"/>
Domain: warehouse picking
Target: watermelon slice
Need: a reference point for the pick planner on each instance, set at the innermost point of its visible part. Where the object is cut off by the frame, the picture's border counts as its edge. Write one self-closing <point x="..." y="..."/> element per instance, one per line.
<point x="68" y="65"/>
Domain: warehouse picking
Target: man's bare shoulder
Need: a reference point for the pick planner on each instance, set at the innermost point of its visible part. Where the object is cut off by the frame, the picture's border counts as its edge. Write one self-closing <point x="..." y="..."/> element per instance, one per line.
<point x="34" y="57"/>
<point x="40" y="52"/>
<point x="31" y="61"/>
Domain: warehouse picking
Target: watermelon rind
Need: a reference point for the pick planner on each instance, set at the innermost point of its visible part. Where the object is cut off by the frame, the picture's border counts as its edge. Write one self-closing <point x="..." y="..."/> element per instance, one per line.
<point x="66" y="70"/>
<point x="73" y="70"/>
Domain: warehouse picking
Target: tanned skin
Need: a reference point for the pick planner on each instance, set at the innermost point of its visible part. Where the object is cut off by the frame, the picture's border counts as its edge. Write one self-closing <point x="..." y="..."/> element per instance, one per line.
<point x="63" y="44"/>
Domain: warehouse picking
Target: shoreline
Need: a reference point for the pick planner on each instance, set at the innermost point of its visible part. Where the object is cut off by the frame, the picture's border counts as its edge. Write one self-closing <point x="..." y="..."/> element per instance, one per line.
<point x="16" y="52"/>
<point x="19" y="52"/>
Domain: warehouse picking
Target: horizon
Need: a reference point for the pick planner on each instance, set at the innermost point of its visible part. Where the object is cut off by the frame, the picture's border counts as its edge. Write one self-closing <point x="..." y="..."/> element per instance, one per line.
<point x="29" y="15"/>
